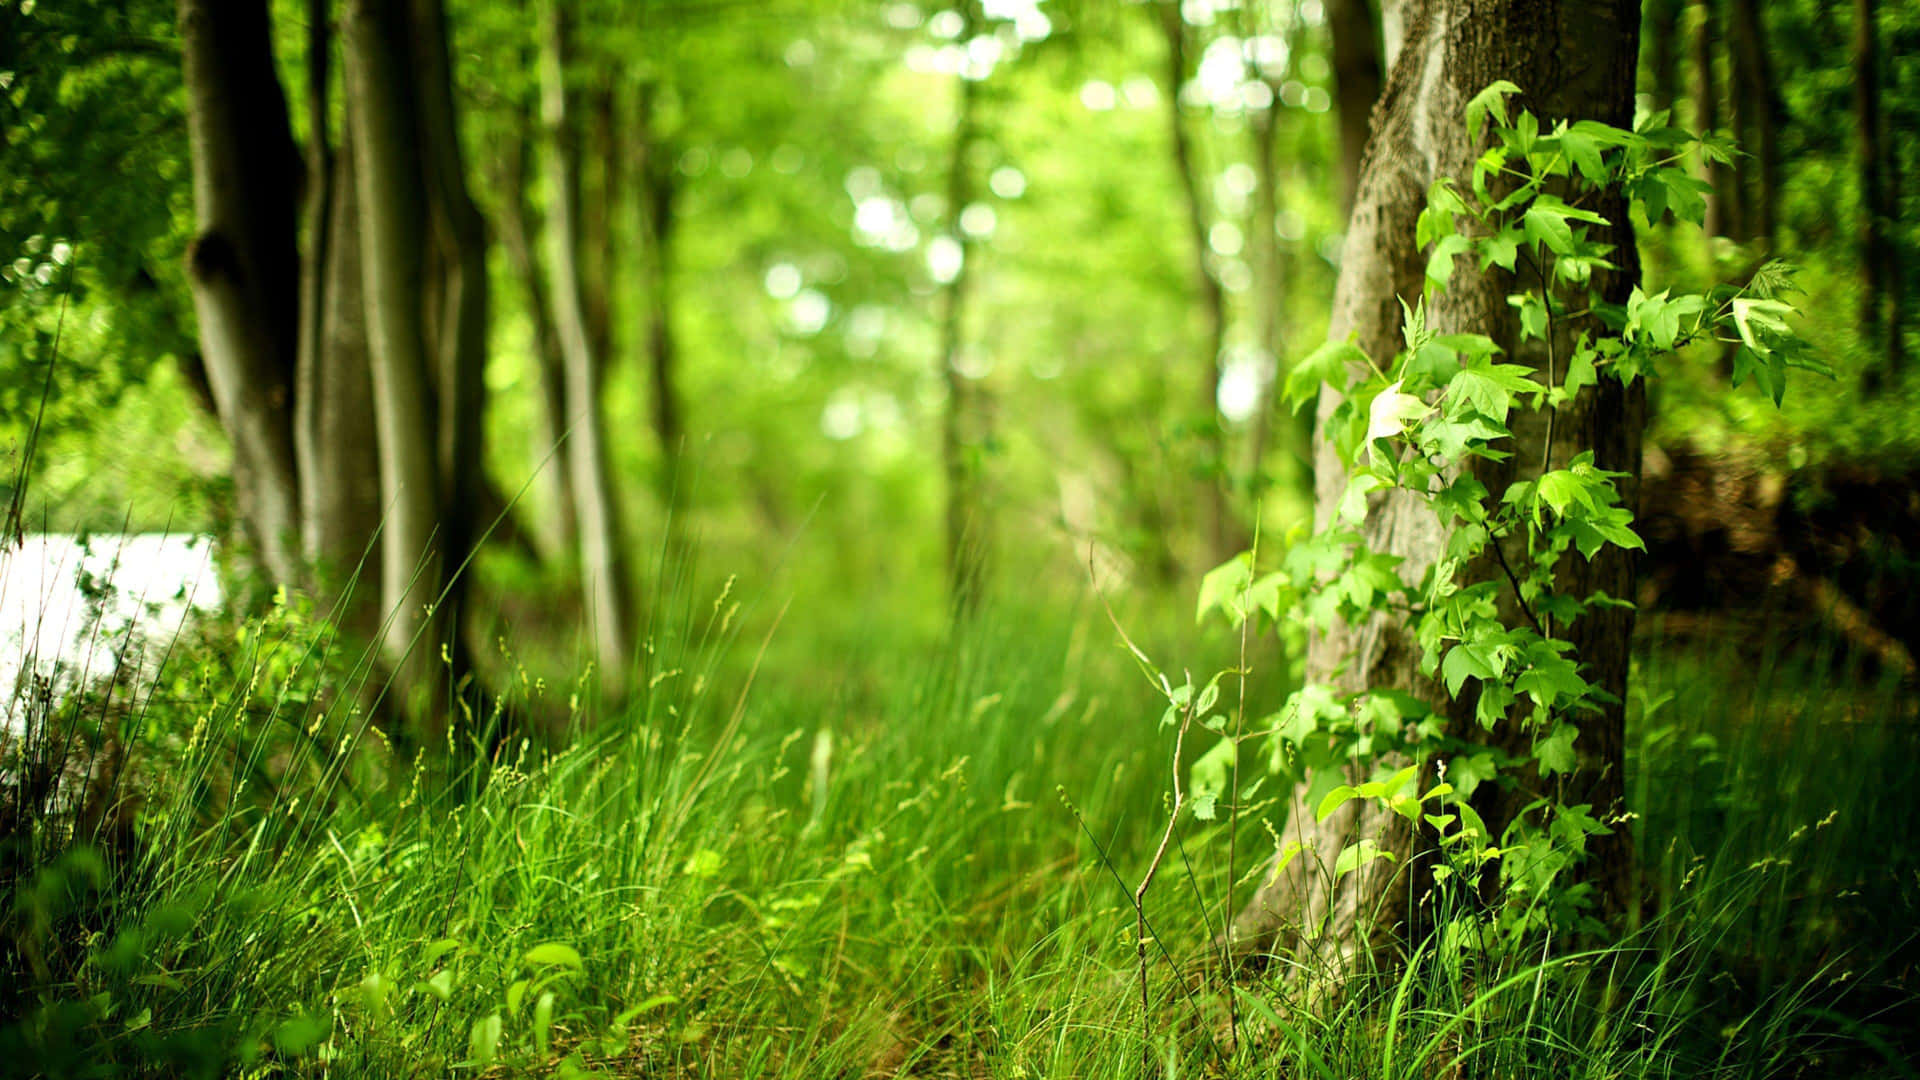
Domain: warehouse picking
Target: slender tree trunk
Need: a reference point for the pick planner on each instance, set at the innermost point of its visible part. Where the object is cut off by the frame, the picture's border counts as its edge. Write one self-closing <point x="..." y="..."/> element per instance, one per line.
<point x="603" y="181"/>
<point x="1356" y="82"/>
<point x="1760" y="112"/>
<point x="518" y="226"/>
<point x="604" y="584"/>
<point x="393" y="208"/>
<point x="1269" y="279"/>
<point x="1453" y="49"/>
<point x="1879" y="260"/>
<point x="960" y="435"/>
<point x="1706" y="112"/>
<point x="660" y="194"/>
<point x="1216" y="517"/>
<point x="244" y="265"/>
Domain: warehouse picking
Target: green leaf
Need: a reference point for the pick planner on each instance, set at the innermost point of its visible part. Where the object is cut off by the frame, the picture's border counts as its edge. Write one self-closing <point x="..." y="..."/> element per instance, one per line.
<point x="1222" y="583"/>
<point x="1555" y="751"/>
<point x="1440" y="263"/>
<point x="1491" y="101"/>
<point x="1211" y="771"/>
<point x="543" y="1022"/>
<point x="1544" y="225"/>
<point x="1755" y="318"/>
<point x="1465" y="662"/>
<point x="553" y="954"/>
<point x="1468" y="771"/>
<point x="1490" y="389"/>
<point x="298" y="1034"/>
<point x="1330" y="364"/>
<point x="1355" y="856"/>
<point x="1335" y="799"/>
<point x="1502" y="249"/>
<point x="439" y="986"/>
<point x="483" y="1041"/>
<point x="1582" y="144"/>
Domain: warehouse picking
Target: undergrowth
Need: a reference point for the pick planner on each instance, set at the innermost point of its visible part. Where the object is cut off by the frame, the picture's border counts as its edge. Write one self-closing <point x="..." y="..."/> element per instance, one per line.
<point x="870" y="872"/>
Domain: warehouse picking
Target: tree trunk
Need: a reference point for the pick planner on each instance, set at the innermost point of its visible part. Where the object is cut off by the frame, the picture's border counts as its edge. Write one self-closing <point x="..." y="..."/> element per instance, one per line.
<point x="660" y="193"/>
<point x="1706" y="113"/>
<point x="391" y="188"/>
<point x="1356" y="82"/>
<point x="1662" y="48"/>
<point x="1269" y="273"/>
<point x="1879" y="260"/>
<point x="604" y="583"/>
<point x="960" y="435"/>
<point x="244" y="265"/>
<point x="1217" y="519"/>
<point x="458" y="239"/>
<point x="334" y="430"/>
<point x="601" y="187"/>
<point x="1453" y="49"/>
<point x="1759" y="110"/>
<point x="518" y="226"/>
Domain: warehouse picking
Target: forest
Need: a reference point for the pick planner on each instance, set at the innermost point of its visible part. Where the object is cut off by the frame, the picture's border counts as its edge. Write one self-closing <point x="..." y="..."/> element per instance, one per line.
<point x="959" y="538"/>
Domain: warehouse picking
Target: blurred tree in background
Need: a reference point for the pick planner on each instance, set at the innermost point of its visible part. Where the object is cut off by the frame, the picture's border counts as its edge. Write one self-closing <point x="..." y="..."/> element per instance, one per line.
<point x="953" y="294"/>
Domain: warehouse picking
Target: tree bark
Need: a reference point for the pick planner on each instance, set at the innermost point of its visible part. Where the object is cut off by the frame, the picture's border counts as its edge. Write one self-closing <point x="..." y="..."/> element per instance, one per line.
<point x="660" y="193"/>
<point x="1574" y="60"/>
<point x="1268" y="280"/>
<point x="602" y="185"/>
<point x="1662" y="19"/>
<point x="960" y="435"/>
<point x="458" y="238"/>
<point x="604" y="582"/>
<point x="1880" y="309"/>
<point x="1706" y="114"/>
<point x="518" y="226"/>
<point x="393" y="207"/>
<point x="243" y="264"/>
<point x="1757" y="110"/>
<point x="1217" y="519"/>
<point x="1356" y="82"/>
<point x="334" y="430"/>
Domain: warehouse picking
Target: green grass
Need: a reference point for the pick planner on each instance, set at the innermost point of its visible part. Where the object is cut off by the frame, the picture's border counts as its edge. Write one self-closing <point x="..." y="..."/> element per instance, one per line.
<point x="858" y="863"/>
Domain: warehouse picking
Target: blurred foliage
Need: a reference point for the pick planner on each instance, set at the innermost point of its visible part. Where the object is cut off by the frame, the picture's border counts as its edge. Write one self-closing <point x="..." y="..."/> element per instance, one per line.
<point x="809" y="140"/>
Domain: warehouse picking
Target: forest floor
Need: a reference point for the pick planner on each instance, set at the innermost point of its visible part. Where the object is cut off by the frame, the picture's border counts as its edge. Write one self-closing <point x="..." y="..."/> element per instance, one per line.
<point x="853" y="852"/>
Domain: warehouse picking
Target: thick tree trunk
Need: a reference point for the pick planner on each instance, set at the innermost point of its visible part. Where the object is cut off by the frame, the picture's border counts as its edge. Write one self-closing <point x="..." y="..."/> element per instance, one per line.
<point x="244" y="265"/>
<point x="1216" y="515"/>
<point x="602" y="562"/>
<point x="458" y="238"/>
<point x="1879" y="260"/>
<point x="1356" y="82"/>
<point x="391" y="188"/>
<point x="1453" y="49"/>
<point x="334" y="431"/>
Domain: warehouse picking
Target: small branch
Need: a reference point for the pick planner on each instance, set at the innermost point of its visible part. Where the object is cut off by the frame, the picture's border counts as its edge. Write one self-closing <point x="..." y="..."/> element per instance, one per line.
<point x="1146" y="882"/>
<point x="1501" y="556"/>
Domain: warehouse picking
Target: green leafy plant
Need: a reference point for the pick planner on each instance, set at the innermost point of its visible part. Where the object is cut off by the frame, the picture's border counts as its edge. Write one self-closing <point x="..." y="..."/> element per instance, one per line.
<point x="1415" y="422"/>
